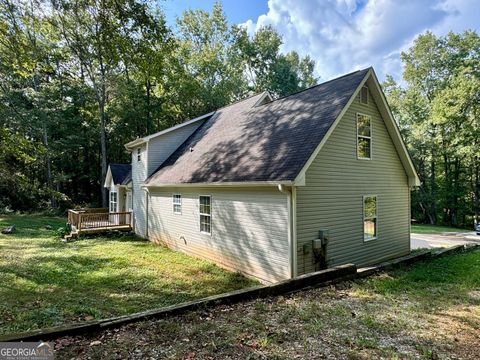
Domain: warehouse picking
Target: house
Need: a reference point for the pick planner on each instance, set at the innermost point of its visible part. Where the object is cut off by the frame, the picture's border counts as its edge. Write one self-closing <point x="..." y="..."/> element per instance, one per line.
<point x="119" y="184"/>
<point x="278" y="188"/>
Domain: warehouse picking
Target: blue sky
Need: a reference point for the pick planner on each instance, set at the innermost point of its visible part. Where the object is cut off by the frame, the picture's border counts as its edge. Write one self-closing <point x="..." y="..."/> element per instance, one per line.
<point x="346" y="35"/>
<point x="237" y="11"/>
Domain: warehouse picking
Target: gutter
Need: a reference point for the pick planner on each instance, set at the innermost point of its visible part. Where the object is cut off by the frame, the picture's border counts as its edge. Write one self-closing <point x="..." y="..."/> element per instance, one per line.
<point x="290" y="192"/>
<point x="132" y="144"/>
<point x="219" y="184"/>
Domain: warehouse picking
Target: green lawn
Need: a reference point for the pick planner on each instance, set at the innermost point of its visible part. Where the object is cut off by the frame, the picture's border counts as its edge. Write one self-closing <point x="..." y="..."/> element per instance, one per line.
<point x="434" y="229"/>
<point x="45" y="282"/>
<point x="429" y="310"/>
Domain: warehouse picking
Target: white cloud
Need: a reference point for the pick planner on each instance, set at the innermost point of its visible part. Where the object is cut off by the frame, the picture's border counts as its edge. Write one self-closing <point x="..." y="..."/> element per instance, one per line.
<point x="345" y="35"/>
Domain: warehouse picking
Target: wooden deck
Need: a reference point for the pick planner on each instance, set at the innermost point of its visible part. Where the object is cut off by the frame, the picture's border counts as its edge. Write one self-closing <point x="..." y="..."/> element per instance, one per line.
<point x="98" y="220"/>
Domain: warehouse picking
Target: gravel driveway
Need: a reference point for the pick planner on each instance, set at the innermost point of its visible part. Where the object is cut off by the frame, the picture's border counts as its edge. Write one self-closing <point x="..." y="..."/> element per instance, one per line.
<point x="428" y="241"/>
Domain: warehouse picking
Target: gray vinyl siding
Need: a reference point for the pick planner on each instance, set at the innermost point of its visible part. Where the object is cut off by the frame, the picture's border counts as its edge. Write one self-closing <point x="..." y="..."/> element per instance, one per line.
<point x="249" y="228"/>
<point x="162" y="146"/>
<point x="333" y="196"/>
<point x="139" y="174"/>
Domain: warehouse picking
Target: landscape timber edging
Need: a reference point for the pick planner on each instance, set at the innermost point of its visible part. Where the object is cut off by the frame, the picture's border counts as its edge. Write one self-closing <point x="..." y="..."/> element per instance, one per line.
<point x="337" y="273"/>
<point x="320" y="278"/>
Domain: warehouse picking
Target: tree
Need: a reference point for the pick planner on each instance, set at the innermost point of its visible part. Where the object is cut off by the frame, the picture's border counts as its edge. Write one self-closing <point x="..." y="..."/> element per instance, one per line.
<point x="210" y="75"/>
<point x="437" y="112"/>
<point x="102" y="34"/>
<point x="266" y="68"/>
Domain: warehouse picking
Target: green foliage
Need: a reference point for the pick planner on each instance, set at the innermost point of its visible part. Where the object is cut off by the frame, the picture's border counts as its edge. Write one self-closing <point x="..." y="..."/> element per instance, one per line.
<point x="437" y="112"/>
<point x="79" y="79"/>
<point x="434" y="229"/>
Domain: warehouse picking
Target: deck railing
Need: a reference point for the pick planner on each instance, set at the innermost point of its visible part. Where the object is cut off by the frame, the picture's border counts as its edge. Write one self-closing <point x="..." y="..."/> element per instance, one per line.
<point x="83" y="219"/>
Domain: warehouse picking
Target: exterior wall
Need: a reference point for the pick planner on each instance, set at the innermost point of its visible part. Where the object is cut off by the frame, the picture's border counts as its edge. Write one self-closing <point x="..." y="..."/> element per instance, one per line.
<point x="139" y="174"/>
<point x="333" y="196"/>
<point x="161" y="147"/>
<point x="249" y="228"/>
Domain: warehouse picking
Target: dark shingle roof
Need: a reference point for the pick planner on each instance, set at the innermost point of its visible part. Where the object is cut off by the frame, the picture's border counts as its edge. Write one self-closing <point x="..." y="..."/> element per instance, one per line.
<point x="121" y="173"/>
<point x="271" y="142"/>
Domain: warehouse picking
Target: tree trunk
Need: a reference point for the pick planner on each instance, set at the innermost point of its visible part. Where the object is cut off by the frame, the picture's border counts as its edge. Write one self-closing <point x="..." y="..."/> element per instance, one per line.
<point x="476" y="193"/>
<point x="53" y="201"/>
<point x="148" y="88"/>
<point x="432" y="215"/>
<point x="456" y="186"/>
<point x="103" y="149"/>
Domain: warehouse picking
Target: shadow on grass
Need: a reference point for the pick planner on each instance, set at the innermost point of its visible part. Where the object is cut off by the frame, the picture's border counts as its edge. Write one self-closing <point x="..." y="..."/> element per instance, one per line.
<point x="44" y="291"/>
<point x="438" y="283"/>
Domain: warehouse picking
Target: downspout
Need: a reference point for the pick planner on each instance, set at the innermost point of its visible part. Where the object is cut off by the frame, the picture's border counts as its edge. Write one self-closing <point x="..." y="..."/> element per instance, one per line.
<point x="292" y="253"/>
<point x="147" y="200"/>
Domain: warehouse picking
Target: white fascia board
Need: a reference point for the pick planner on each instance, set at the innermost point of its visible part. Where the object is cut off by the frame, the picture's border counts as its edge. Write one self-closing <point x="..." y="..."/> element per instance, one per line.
<point x="390" y="124"/>
<point x="108" y="179"/>
<point x="265" y="96"/>
<point x="146" y="139"/>
<point x="188" y="122"/>
<point x="220" y="184"/>
<point x="300" y="179"/>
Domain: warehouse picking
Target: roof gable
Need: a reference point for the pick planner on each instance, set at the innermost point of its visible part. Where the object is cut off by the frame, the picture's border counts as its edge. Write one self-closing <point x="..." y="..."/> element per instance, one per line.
<point x="266" y="143"/>
<point x="121" y="174"/>
<point x="258" y="142"/>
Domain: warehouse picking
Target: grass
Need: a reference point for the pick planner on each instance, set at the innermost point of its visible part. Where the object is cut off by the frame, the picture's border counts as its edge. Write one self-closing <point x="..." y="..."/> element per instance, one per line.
<point x="435" y="229"/>
<point x="430" y="310"/>
<point x="45" y="282"/>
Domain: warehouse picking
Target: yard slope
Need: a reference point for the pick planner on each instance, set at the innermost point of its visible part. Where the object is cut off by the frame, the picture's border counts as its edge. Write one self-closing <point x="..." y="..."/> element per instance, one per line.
<point x="430" y="310"/>
<point x="45" y="282"/>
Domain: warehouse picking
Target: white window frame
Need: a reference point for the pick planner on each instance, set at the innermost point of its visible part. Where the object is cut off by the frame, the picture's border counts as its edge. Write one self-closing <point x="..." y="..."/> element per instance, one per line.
<point x="370" y="218"/>
<point x="178" y="204"/>
<point x="200" y="214"/>
<point x="364" y="137"/>
<point x="139" y="154"/>
<point x="113" y="202"/>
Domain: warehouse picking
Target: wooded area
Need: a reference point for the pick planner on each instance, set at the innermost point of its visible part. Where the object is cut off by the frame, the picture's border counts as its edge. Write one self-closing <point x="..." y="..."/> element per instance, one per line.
<point x="80" y="78"/>
<point x="438" y="109"/>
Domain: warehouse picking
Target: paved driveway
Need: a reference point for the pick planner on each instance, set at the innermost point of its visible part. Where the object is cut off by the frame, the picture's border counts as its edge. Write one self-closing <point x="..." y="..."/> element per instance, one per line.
<point x="428" y="241"/>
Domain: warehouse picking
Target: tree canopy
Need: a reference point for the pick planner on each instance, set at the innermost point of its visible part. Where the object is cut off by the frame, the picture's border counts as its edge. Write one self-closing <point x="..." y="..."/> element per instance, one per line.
<point x="438" y="113"/>
<point x="80" y="78"/>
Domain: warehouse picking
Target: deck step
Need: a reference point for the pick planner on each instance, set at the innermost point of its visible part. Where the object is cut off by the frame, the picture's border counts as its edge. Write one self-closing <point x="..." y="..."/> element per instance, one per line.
<point x="73" y="234"/>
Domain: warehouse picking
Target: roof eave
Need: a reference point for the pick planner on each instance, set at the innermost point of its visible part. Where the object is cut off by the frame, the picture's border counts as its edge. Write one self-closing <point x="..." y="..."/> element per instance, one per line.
<point x="221" y="184"/>
<point x="137" y="142"/>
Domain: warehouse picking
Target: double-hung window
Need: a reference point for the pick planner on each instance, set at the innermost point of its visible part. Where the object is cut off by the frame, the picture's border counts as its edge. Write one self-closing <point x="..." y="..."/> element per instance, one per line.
<point x="177" y="203"/>
<point x="369" y="217"/>
<point x="205" y="214"/>
<point x="113" y="202"/>
<point x="364" y="137"/>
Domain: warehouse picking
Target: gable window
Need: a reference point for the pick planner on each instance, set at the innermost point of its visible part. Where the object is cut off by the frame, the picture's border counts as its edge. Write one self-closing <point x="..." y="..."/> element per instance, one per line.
<point x="364" y="95"/>
<point x="364" y="137"/>
<point x="139" y="154"/>
<point x="205" y="215"/>
<point x="113" y="201"/>
<point x="369" y="217"/>
<point x="177" y="204"/>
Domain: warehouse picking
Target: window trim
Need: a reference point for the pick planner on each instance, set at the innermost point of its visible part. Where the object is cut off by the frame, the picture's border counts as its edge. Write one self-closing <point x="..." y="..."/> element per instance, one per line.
<point x="174" y="203"/>
<point x="376" y="217"/>
<point x="113" y="202"/>
<point x="204" y="214"/>
<point x="139" y="154"/>
<point x="364" y="137"/>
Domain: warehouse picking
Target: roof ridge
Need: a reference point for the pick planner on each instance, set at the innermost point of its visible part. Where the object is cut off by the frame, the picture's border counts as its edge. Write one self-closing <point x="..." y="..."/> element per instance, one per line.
<point x="239" y="101"/>
<point x="314" y="86"/>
